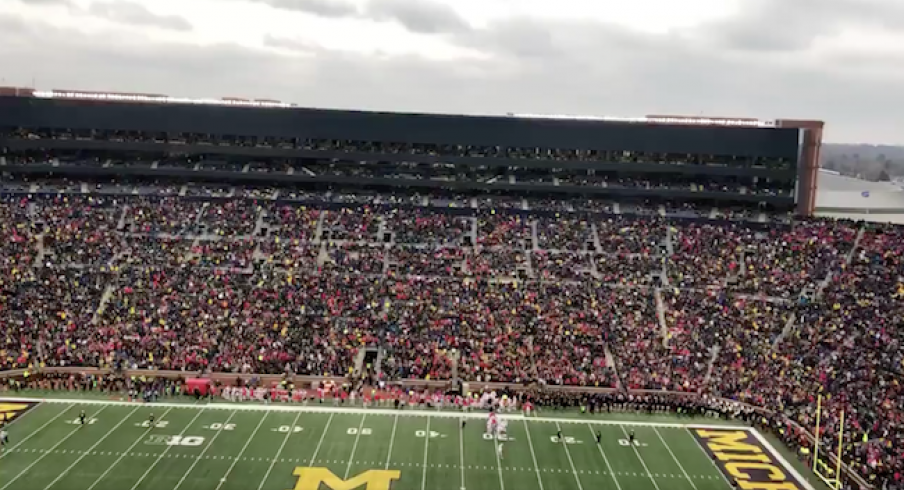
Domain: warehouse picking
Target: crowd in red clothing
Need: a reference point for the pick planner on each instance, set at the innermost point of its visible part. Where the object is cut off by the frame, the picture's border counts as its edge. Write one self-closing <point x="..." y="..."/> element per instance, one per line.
<point x="767" y="314"/>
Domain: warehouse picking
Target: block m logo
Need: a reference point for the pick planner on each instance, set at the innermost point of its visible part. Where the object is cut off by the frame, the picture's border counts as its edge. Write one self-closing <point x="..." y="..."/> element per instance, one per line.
<point x="319" y="478"/>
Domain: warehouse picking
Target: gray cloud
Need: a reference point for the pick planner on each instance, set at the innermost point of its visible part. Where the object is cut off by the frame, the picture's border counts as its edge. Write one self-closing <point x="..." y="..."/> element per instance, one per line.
<point x="782" y="25"/>
<point x="322" y="8"/>
<point x="137" y="14"/>
<point x="290" y="44"/>
<point x="531" y="66"/>
<point x="45" y="2"/>
<point x="421" y="16"/>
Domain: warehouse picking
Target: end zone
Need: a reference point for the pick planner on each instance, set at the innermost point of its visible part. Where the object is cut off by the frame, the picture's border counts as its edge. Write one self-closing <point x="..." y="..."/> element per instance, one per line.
<point x="746" y="457"/>
<point x="13" y="409"/>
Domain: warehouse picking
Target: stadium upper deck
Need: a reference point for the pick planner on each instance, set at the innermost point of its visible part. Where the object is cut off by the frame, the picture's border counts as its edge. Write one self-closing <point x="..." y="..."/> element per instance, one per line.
<point x="737" y="161"/>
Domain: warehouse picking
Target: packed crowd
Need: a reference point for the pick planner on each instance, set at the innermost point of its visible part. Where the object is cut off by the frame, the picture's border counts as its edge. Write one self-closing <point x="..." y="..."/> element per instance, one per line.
<point x="498" y="295"/>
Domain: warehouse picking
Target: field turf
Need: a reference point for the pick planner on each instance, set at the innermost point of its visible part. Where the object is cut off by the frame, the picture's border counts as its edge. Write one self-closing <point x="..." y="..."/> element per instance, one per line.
<point x="253" y="447"/>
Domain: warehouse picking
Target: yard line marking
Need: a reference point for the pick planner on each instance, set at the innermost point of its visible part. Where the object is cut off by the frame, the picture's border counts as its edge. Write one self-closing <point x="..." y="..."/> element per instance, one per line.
<point x="281" y="447"/>
<point x="242" y="452"/>
<point x="711" y="460"/>
<point x="605" y="459"/>
<point x="322" y="436"/>
<point x="395" y="422"/>
<point x="203" y="452"/>
<point x="29" y="436"/>
<point x="571" y="461"/>
<point x="533" y="455"/>
<point x="44" y="455"/>
<point x="674" y="457"/>
<point x="85" y="453"/>
<point x="496" y="444"/>
<point x="639" y="457"/>
<point x="426" y="447"/>
<point x="348" y="469"/>
<point x="166" y="450"/>
<point x="461" y="451"/>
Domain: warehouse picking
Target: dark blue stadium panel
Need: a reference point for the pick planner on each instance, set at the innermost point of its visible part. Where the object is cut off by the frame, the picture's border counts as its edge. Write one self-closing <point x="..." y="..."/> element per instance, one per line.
<point x="401" y="128"/>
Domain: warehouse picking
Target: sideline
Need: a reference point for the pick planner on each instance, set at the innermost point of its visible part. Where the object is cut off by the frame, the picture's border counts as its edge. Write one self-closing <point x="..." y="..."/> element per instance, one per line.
<point x="781" y="459"/>
<point x="256" y="407"/>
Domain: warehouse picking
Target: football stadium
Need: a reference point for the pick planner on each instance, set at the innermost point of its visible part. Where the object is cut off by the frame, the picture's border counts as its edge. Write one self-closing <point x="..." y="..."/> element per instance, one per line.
<point x="245" y="294"/>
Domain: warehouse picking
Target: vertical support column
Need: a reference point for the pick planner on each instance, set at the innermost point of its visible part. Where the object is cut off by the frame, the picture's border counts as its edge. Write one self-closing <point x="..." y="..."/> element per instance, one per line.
<point x="808" y="165"/>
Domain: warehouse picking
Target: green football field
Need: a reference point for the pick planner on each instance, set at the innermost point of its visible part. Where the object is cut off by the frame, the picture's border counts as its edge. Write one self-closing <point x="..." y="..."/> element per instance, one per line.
<point x="221" y="446"/>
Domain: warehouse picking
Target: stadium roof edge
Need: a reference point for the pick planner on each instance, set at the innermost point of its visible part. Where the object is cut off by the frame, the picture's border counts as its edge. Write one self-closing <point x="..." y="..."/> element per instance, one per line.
<point x="149" y="98"/>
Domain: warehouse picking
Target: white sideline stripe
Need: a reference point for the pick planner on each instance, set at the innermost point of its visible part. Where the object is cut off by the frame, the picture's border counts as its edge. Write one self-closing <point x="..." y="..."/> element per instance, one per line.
<point x="803" y="481"/>
<point x="385" y="411"/>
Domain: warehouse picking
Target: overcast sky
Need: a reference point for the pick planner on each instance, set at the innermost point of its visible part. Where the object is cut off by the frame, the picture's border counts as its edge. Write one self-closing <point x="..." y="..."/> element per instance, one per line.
<point x="837" y="60"/>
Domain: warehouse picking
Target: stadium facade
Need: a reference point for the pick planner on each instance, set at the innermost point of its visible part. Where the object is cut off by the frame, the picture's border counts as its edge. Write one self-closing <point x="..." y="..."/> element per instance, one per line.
<point x="769" y="165"/>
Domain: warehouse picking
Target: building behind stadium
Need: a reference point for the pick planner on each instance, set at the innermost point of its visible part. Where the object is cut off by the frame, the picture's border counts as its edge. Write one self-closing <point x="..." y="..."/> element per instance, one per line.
<point x="845" y="197"/>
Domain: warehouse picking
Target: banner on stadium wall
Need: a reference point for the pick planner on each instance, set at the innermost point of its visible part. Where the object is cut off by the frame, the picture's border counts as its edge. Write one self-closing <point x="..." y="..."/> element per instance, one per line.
<point x="200" y="384"/>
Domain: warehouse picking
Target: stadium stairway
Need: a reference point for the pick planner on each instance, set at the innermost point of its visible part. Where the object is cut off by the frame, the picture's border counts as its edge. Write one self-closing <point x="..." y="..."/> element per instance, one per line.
<point x="359" y="361"/>
<point x="610" y="362"/>
<point x="713" y="355"/>
<point x="39" y="246"/>
<point x="535" y="240"/>
<point x="597" y="246"/>
<point x="454" y="355"/>
<point x="660" y="315"/>
<point x="102" y="306"/>
<point x="533" y="361"/>
<point x="668" y="241"/>
<point x="121" y="222"/>
<point x="789" y="327"/>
